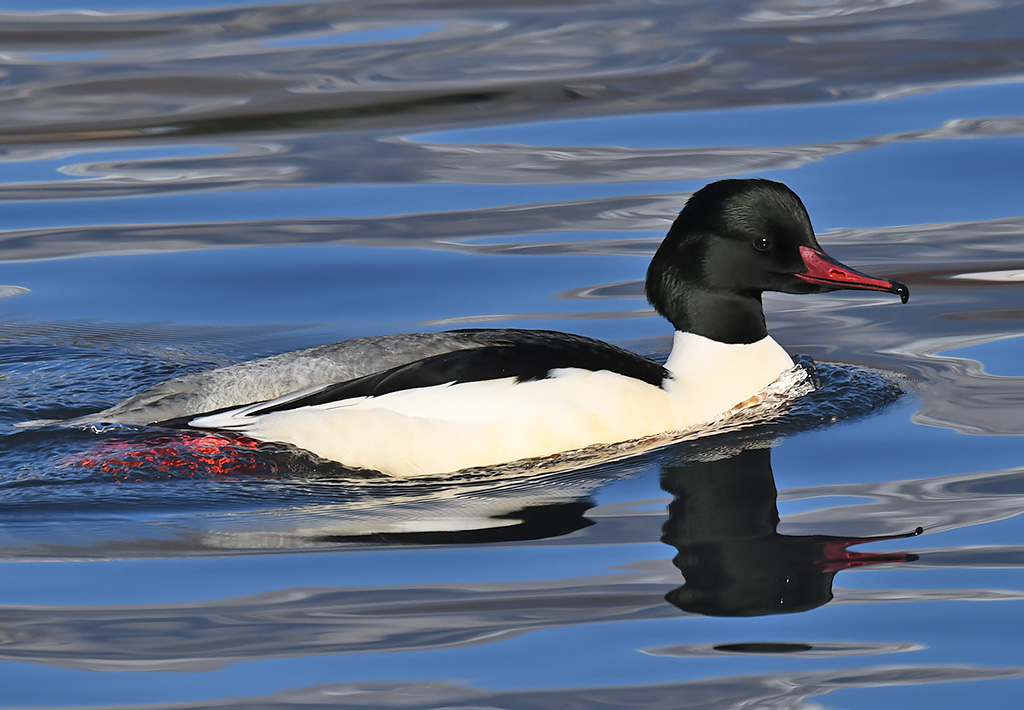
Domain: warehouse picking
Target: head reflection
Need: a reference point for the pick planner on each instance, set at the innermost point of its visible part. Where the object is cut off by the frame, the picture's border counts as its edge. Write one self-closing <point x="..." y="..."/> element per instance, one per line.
<point x="723" y="520"/>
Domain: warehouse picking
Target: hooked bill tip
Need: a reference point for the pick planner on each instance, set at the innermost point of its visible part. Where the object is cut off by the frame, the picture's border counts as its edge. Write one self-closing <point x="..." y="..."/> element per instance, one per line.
<point x="902" y="291"/>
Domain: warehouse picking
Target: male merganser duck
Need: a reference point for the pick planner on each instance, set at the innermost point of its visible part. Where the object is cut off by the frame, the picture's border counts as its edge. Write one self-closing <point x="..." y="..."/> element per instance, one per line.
<point x="417" y="404"/>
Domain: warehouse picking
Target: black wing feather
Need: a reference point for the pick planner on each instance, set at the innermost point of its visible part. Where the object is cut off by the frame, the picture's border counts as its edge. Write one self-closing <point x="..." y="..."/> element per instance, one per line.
<point x="530" y="356"/>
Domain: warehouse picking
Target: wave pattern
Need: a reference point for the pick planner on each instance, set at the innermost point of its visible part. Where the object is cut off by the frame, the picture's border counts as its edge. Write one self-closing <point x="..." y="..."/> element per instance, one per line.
<point x="188" y="187"/>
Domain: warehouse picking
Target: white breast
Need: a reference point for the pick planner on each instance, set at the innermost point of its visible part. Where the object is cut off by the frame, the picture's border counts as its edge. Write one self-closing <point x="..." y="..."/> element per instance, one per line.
<point x="714" y="376"/>
<point x="446" y="428"/>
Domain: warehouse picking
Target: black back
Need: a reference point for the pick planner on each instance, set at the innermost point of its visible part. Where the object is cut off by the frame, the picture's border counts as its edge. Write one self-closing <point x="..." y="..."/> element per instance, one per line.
<point x="524" y="355"/>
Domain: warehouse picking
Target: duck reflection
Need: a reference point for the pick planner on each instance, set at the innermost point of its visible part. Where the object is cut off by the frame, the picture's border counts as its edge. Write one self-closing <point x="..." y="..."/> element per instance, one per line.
<point x="723" y="521"/>
<point x="531" y="522"/>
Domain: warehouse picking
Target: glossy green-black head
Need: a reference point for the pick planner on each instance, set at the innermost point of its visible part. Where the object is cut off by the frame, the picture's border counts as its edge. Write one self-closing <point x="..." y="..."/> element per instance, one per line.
<point x="732" y="241"/>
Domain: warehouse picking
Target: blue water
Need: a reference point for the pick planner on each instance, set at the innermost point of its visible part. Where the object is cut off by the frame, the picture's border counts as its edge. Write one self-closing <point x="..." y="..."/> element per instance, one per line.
<point x="204" y="183"/>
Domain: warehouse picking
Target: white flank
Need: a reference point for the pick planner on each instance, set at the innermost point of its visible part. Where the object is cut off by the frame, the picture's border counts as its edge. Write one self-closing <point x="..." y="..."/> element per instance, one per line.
<point x="445" y="428"/>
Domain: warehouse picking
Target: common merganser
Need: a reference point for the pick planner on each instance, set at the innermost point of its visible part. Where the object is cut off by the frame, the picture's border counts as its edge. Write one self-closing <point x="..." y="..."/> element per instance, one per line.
<point x="417" y="404"/>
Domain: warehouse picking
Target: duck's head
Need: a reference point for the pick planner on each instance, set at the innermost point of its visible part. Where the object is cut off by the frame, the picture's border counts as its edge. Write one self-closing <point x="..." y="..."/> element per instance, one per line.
<point x="732" y="241"/>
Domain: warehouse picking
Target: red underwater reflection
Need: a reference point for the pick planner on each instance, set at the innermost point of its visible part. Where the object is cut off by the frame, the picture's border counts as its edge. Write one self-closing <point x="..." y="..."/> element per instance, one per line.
<point x="180" y="455"/>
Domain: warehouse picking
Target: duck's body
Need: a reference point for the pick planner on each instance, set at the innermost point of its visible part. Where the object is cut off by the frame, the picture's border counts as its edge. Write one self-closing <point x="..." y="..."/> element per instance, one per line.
<point x="437" y="403"/>
<point x="600" y="396"/>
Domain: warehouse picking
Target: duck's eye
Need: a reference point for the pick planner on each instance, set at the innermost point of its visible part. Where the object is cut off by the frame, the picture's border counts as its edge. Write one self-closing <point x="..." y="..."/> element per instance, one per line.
<point x="762" y="243"/>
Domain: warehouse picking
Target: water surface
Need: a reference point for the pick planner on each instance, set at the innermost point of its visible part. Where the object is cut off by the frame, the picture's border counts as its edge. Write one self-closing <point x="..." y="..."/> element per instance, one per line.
<point x="207" y="183"/>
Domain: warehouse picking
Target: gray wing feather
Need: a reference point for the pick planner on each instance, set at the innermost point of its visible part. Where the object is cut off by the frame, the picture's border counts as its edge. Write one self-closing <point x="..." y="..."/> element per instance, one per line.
<point x="278" y="375"/>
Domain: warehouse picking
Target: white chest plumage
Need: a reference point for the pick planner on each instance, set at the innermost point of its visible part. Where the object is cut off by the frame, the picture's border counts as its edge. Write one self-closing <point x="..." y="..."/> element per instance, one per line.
<point x="713" y="377"/>
<point x="445" y="428"/>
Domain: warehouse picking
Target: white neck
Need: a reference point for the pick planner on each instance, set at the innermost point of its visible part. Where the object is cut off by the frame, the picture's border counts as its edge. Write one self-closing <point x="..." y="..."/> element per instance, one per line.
<point x="714" y="377"/>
